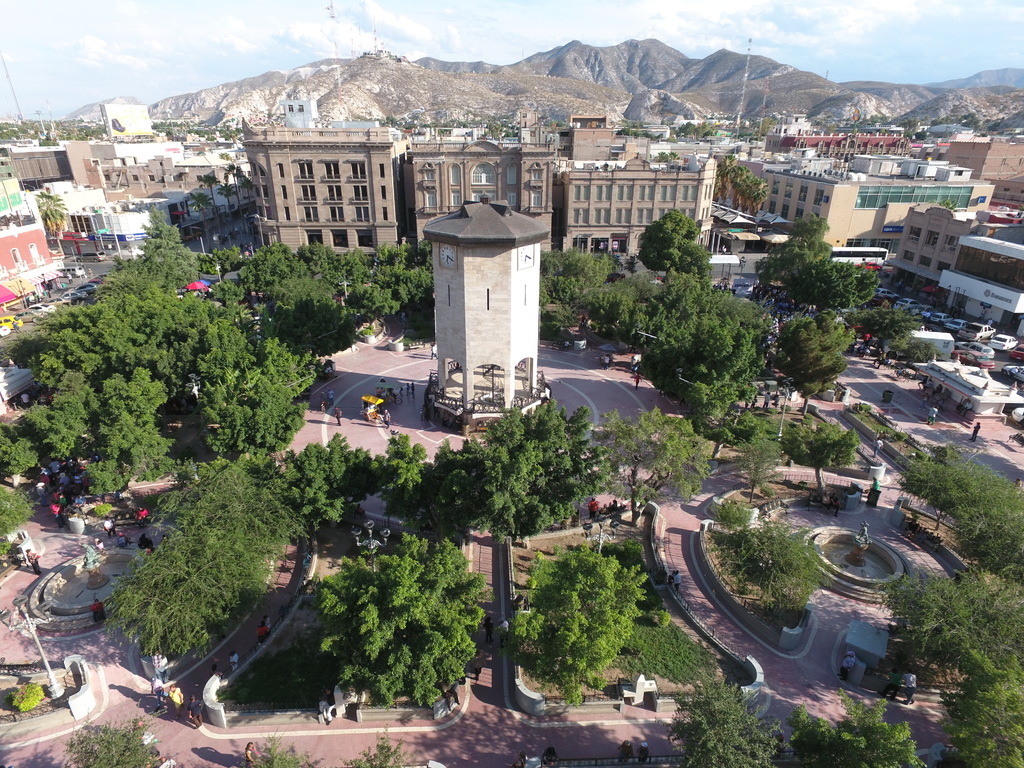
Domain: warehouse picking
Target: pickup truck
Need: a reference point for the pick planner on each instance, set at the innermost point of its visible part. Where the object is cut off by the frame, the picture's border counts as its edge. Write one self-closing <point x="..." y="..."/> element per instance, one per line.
<point x="977" y="332"/>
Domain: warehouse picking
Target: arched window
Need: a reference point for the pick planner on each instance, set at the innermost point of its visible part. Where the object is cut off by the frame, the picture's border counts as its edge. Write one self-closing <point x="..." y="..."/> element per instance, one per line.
<point x="16" y="256"/>
<point x="33" y="252"/>
<point x="455" y="173"/>
<point x="484" y="174"/>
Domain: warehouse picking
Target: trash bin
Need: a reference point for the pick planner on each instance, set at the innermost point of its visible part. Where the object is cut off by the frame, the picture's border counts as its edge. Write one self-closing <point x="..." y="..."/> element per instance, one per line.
<point x="873" y="495"/>
<point x="853" y="494"/>
<point x="887" y="395"/>
<point x="580" y="344"/>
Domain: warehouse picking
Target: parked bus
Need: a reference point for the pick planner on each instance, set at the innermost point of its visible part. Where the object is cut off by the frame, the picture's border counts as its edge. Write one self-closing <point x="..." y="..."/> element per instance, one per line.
<point x="869" y="258"/>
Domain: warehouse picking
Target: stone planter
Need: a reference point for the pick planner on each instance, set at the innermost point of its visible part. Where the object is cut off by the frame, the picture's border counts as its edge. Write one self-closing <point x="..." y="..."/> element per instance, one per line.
<point x="371" y="339"/>
<point x="396" y="346"/>
<point x="76" y="525"/>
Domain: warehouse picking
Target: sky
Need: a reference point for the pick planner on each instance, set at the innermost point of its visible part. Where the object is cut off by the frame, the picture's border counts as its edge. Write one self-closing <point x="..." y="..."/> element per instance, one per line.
<point x="66" y="53"/>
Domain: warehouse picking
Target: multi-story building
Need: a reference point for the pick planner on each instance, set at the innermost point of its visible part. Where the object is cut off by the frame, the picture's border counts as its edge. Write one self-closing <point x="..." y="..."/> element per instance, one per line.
<point x="36" y="166"/>
<point x="794" y="133"/>
<point x="991" y="159"/>
<point x="929" y="246"/>
<point x="441" y="175"/>
<point x="606" y="206"/>
<point x="869" y="210"/>
<point x="338" y="186"/>
<point x="988" y="280"/>
<point x="27" y="267"/>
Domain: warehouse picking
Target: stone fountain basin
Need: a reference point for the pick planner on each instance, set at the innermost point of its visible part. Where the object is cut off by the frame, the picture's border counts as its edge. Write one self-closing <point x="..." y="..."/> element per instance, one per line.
<point x="882" y="563"/>
<point x="66" y="592"/>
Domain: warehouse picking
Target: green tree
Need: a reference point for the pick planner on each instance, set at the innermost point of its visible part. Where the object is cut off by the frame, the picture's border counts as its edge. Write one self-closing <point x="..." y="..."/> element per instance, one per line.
<point x="862" y="738"/>
<point x="770" y="558"/>
<point x="316" y="324"/>
<point x="947" y="620"/>
<point x="914" y="350"/>
<point x="53" y="212"/>
<point x="806" y="245"/>
<point x="986" y="713"/>
<point x="570" y="277"/>
<point x="384" y="754"/>
<point x="15" y="510"/>
<point x="890" y="325"/>
<point x="211" y="182"/>
<point x="726" y="172"/>
<point x="327" y="482"/>
<point x="810" y="351"/>
<point x="116" y="745"/>
<point x="758" y="462"/>
<point x="670" y="245"/>
<point x="399" y="473"/>
<point x="828" y="284"/>
<point x="200" y="203"/>
<point x="405" y="626"/>
<point x="582" y="611"/>
<point x="274" y="754"/>
<point x="826" y="445"/>
<point x="714" y="726"/>
<point x="230" y="525"/>
<point x="18" y="454"/>
<point x="269" y="267"/>
<point x="652" y="455"/>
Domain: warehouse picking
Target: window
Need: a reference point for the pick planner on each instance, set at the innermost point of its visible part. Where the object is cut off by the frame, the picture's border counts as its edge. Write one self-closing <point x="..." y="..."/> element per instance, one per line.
<point x="925" y="261"/>
<point x="646" y="192"/>
<point x="624" y="192"/>
<point x="645" y="215"/>
<point x="789" y="189"/>
<point x="429" y="175"/>
<point x="280" y="170"/>
<point x="941" y="266"/>
<point x="362" y="213"/>
<point x="310" y="213"/>
<point x="358" y="170"/>
<point x="818" y="195"/>
<point x="480" y="194"/>
<point x="907" y="256"/>
<point x="622" y="215"/>
<point x="16" y="255"/>
<point x="784" y="212"/>
<point x="456" y="198"/>
<point x="335" y="192"/>
<point x="603" y="193"/>
<point x="537" y="199"/>
<point x="801" y="196"/>
<point x="799" y="213"/>
<point x="380" y="169"/>
<point x="510" y="175"/>
<point x="537" y="174"/>
<point x="880" y="197"/>
<point x="668" y="193"/>
<point x="284" y="192"/>
<point x="152" y="177"/>
<point x="580" y="194"/>
<point x="951" y="243"/>
<point x="339" y="238"/>
<point x="932" y="238"/>
<point x="135" y="177"/>
<point x="510" y="198"/>
<point x="915" y="234"/>
<point x="33" y="253"/>
<point x="775" y="186"/>
<point x="287" y="213"/>
<point x="336" y="212"/>
<point x="384" y="213"/>
<point x="361" y="192"/>
<point x="455" y="174"/>
<point x="364" y="238"/>
<point x="603" y="216"/>
<point x="308" y="191"/>
<point x="580" y="216"/>
<point x="314" y="236"/>
<point x="332" y="169"/>
<point x="483" y="174"/>
<point x="383" y="191"/>
<point x="430" y="199"/>
<point x="265" y="190"/>
<point x="305" y="169"/>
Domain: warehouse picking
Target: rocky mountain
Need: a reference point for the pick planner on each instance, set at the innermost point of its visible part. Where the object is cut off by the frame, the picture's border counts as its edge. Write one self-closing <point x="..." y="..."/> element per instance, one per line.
<point x="91" y="113"/>
<point x="642" y="80"/>
<point x="987" y="78"/>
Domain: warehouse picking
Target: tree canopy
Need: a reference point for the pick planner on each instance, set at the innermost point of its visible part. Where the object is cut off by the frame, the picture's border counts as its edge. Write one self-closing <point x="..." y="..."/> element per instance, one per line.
<point x="821" y="446"/>
<point x="582" y="610"/>
<point x="986" y="713"/>
<point x="810" y="351"/>
<point x="113" y="745"/>
<point x="404" y="626"/>
<point x="806" y="245"/>
<point x="670" y="245"/>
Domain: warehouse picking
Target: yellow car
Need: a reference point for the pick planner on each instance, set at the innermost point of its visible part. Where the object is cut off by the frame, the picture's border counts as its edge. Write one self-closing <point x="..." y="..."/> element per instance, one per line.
<point x="10" y="321"/>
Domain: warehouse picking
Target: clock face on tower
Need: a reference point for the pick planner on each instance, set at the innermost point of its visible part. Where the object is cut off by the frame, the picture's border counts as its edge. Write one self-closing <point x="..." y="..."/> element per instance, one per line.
<point x="526" y="256"/>
<point x="447" y="255"/>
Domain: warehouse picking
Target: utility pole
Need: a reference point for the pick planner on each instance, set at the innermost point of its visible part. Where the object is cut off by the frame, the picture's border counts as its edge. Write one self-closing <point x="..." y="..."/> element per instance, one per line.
<point x="743" y="89"/>
<point x="10" y="83"/>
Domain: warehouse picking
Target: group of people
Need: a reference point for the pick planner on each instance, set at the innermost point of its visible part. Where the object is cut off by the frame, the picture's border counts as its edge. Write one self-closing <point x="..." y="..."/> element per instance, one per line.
<point x="643" y="752"/>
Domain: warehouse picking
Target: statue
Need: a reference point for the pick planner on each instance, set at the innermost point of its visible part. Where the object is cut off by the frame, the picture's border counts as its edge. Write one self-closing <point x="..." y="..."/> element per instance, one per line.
<point x="861" y="541"/>
<point x="92" y="558"/>
<point x="862" y="538"/>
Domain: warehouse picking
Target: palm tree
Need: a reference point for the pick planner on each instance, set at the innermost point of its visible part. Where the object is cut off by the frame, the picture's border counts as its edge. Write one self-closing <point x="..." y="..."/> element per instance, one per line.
<point x="200" y="201"/>
<point x="210" y="180"/>
<point x="53" y="212"/>
<point x="227" y="190"/>
<point x="725" y="177"/>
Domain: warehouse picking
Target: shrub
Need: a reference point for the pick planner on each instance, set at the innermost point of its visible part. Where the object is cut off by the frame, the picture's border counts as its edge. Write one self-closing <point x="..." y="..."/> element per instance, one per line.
<point x="102" y="510"/>
<point x="661" y="618"/>
<point x="732" y="515"/>
<point x="27" y="697"/>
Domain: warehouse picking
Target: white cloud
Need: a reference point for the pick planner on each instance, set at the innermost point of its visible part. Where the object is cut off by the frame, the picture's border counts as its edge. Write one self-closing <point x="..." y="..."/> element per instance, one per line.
<point x="103" y="54"/>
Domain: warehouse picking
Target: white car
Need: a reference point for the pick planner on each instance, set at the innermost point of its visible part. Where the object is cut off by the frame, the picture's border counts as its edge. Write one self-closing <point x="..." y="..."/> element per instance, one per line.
<point x="1015" y="371"/>
<point x="976" y="348"/>
<point x="5" y="330"/>
<point x="44" y="309"/>
<point x="1003" y="341"/>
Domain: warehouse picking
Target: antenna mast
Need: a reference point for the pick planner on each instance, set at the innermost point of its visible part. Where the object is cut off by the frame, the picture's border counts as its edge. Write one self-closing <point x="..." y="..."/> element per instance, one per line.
<point x="743" y="89"/>
<point x="334" y="39"/>
<point x="10" y="82"/>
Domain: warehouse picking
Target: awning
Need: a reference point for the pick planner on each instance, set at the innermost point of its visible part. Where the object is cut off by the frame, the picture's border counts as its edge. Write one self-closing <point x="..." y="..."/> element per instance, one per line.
<point x="20" y="286"/>
<point x="725" y="259"/>
<point x="742" y="236"/>
<point x="775" y="237"/>
<point x="7" y="295"/>
<point x="36" y="280"/>
<point x="51" y="275"/>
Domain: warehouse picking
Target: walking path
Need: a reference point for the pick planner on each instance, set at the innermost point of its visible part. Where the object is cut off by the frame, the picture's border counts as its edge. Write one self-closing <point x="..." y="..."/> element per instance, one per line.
<point x="486" y="730"/>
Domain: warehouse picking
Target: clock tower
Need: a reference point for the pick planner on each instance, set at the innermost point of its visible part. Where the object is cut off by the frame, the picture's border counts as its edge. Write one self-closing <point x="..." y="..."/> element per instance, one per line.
<point x="487" y="311"/>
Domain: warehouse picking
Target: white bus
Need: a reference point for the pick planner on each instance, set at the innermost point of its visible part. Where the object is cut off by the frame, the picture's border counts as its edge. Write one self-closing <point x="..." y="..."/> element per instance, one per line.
<point x="869" y="258"/>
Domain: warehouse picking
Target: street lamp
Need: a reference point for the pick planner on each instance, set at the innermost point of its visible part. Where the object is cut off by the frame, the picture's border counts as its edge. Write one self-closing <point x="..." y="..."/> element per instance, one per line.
<point x="371" y="542"/>
<point x="56" y="689"/>
<point x="194" y="384"/>
<point x="599" y="535"/>
<point x="785" y="390"/>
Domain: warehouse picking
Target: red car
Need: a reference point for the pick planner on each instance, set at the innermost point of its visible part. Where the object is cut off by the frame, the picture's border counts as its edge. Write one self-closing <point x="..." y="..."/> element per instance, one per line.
<point x="970" y="359"/>
<point x="1017" y="353"/>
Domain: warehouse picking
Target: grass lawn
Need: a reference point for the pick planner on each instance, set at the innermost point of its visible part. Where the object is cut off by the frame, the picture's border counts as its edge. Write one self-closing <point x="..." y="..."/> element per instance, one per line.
<point x="665" y="651"/>
<point x="291" y="677"/>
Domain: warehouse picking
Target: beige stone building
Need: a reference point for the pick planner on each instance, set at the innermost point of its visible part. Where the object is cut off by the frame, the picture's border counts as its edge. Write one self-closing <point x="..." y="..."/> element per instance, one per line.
<point x="990" y="159"/>
<point x="332" y="186"/>
<point x="441" y="176"/>
<point x="929" y="245"/>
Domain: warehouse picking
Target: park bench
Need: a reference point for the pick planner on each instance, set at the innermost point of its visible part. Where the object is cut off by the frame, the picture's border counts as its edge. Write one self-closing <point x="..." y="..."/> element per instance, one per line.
<point x="770" y="508"/>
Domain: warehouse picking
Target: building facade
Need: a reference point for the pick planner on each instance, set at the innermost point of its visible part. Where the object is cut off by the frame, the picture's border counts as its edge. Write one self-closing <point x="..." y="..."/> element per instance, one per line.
<point x="930" y="245"/>
<point x="338" y="187"/>
<point x="440" y="177"/>
<point x="988" y="281"/>
<point x="989" y="159"/>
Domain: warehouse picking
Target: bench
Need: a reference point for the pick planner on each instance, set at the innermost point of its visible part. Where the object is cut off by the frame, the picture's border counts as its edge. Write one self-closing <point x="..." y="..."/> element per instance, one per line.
<point x="771" y="507"/>
<point x="637" y="690"/>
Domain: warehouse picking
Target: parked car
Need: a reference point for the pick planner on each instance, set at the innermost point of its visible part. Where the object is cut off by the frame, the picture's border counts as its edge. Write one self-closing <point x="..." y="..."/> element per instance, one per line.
<point x="955" y="326"/>
<point x="972" y="358"/>
<point x="1017" y="353"/>
<point x="938" y="319"/>
<point x="87" y="288"/>
<point x="98" y="281"/>
<point x="1003" y="341"/>
<point x="73" y="296"/>
<point x="5" y="331"/>
<point x="75" y="271"/>
<point x="885" y="294"/>
<point x="975" y="348"/>
<point x="614" y="277"/>
<point x="1016" y="371"/>
<point x="41" y="309"/>
<point x="977" y="332"/>
<point x="11" y="321"/>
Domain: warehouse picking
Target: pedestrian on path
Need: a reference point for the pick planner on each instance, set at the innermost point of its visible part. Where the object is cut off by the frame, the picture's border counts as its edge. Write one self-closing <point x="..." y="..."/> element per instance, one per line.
<point x="337" y="414"/>
<point x="32" y="559"/>
<point x="177" y="699"/>
<point x="262" y="631"/>
<point x="195" y="712"/>
<point x="488" y="629"/>
<point x="160" y="665"/>
<point x="477" y="665"/>
<point x="502" y="633"/>
<point x="330" y="397"/>
<point x="977" y="429"/>
<point x="892" y="688"/>
<point x="847" y="664"/>
<point x="910" y="683"/>
<point x="233" y="660"/>
<point x="156" y="687"/>
<point x="433" y="351"/>
<point x="878" y="447"/>
<point x="625" y="751"/>
<point x="636" y="381"/>
<point x="932" y="413"/>
<point x="251" y="753"/>
<point x="644" y="753"/>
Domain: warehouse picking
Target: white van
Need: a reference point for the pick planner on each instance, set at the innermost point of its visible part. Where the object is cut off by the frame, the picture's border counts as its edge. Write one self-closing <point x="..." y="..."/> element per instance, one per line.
<point x="74" y="271"/>
<point x="943" y="342"/>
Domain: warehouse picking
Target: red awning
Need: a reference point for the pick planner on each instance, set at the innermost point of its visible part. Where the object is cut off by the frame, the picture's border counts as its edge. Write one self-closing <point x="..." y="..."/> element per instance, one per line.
<point x="6" y="295"/>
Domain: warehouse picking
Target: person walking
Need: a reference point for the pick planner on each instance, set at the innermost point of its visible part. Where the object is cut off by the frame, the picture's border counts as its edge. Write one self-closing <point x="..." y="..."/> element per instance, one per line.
<point x="625" y="751"/>
<point x="977" y="429"/>
<point x="488" y="629"/>
<point x="160" y="665"/>
<point x="262" y="631"/>
<point x="233" y="660"/>
<point x="177" y="698"/>
<point x="337" y="414"/>
<point x="932" y="413"/>
<point x="502" y="633"/>
<point x="330" y="397"/>
<point x="848" y="663"/>
<point x="32" y="559"/>
<point x="433" y="351"/>
<point x="644" y="753"/>
<point x="477" y="665"/>
<point x="251" y="753"/>
<point x="910" y="683"/>
<point x="878" y="446"/>
<point x="892" y="688"/>
<point x="156" y="687"/>
<point x="195" y="712"/>
<point x="636" y="381"/>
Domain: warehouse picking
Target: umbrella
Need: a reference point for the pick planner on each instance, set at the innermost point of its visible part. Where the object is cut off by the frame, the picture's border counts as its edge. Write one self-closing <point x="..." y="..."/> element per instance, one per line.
<point x="929" y="289"/>
<point x="198" y="285"/>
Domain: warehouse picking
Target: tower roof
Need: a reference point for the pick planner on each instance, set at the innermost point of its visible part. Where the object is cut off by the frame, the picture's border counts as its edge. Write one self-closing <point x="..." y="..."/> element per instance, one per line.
<point x="486" y="222"/>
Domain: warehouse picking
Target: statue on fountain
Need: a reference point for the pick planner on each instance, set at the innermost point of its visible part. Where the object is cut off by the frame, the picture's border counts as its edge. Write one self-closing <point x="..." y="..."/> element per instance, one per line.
<point x="92" y="564"/>
<point x="862" y="538"/>
<point x="855" y="556"/>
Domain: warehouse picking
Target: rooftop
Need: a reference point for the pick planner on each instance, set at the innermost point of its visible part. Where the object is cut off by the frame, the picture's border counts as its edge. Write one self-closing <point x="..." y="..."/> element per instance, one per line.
<point x="486" y="222"/>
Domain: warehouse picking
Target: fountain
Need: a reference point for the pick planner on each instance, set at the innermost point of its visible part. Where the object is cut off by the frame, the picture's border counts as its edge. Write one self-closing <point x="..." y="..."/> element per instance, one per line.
<point x="92" y="564"/>
<point x="858" y="565"/>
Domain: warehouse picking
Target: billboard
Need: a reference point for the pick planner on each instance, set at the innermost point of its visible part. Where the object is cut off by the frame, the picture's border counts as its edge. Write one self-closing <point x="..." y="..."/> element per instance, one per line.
<point x="11" y="196"/>
<point x="127" y="120"/>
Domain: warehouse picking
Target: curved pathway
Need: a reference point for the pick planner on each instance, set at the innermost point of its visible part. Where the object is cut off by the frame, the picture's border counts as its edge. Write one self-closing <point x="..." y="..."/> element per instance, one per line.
<point x="486" y="730"/>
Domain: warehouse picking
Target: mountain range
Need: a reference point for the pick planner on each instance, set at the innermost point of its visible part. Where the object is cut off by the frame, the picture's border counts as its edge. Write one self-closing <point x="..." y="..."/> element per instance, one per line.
<point x="643" y="80"/>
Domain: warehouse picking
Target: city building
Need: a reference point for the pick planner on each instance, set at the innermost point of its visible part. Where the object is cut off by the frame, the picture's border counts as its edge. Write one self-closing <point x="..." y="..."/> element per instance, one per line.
<point x="992" y="159"/>
<point x="988" y="280"/>
<point x="335" y="186"/>
<point x="866" y="208"/>
<point x="930" y="244"/>
<point x="27" y="267"/>
<point x="794" y="133"/>
<point x="36" y="166"/>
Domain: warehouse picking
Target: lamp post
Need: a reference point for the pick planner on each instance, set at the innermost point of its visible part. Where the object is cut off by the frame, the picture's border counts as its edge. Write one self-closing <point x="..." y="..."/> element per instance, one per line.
<point x="56" y="689"/>
<point x="599" y="535"/>
<point x="371" y="542"/>
<point x="785" y="390"/>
